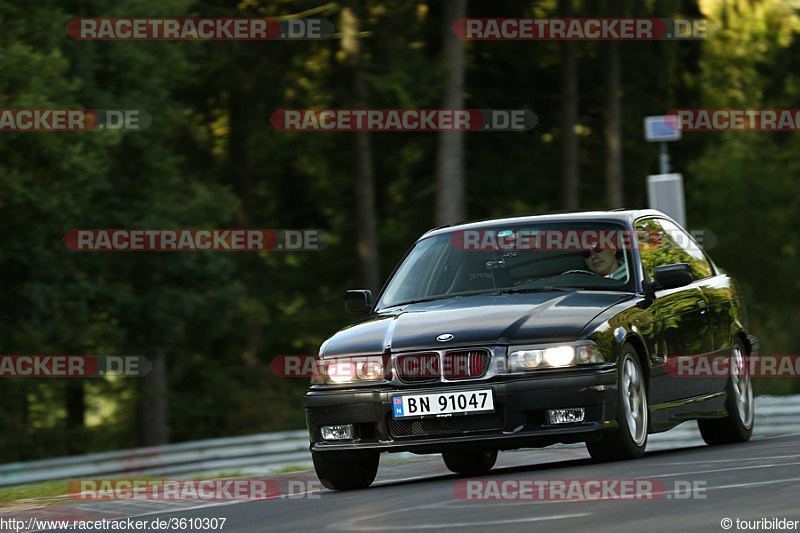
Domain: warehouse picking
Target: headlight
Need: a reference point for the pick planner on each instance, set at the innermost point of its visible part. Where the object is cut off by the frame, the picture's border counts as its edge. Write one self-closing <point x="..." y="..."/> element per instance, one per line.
<point x="553" y="357"/>
<point x="560" y="356"/>
<point x="340" y="370"/>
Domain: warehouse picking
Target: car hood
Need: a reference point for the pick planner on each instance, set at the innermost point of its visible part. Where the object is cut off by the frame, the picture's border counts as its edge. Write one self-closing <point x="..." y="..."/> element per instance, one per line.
<point x="489" y="319"/>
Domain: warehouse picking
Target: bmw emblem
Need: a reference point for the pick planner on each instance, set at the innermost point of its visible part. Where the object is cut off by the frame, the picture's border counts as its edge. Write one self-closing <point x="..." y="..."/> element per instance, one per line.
<point x="444" y="337"/>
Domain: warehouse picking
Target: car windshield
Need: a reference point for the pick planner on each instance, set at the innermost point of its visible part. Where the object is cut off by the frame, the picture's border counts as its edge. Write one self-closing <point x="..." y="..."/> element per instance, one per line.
<point x="522" y="258"/>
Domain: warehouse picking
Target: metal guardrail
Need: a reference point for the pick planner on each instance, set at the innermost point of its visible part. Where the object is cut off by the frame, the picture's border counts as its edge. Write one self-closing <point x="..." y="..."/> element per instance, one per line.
<point x="268" y="452"/>
<point x="277" y="450"/>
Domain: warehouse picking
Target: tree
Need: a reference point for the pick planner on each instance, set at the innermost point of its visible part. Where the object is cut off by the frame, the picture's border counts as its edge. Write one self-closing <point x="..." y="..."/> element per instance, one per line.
<point x="568" y="83"/>
<point x="451" y="204"/>
<point x="613" y="117"/>
<point x="366" y="223"/>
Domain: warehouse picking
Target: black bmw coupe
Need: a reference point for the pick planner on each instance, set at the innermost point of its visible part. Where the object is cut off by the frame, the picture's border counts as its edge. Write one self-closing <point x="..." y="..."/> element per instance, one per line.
<point x="530" y="331"/>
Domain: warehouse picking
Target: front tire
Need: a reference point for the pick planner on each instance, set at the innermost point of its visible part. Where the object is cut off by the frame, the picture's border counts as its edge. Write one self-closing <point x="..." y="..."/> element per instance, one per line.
<point x="346" y="470"/>
<point x="470" y="462"/>
<point x="737" y="426"/>
<point x="630" y="439"/>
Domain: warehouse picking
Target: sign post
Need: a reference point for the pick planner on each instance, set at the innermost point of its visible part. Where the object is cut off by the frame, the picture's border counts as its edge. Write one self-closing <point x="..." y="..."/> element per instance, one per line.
<point x="662" y="129"/>
<point x="665" y="190"/>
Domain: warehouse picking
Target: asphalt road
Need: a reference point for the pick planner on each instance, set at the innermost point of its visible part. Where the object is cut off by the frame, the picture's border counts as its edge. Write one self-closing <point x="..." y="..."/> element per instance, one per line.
<point x="751" y="481"/>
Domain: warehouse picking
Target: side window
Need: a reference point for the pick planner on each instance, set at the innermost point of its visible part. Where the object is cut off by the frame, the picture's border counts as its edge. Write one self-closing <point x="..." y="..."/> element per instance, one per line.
<point x="663" y="243"/>
<point x="652" y="246"/>
<point x="701" y="268"/>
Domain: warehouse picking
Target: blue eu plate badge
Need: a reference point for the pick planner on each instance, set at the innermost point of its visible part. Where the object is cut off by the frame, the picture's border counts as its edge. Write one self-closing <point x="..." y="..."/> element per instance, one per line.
<point x="397" y="401"/>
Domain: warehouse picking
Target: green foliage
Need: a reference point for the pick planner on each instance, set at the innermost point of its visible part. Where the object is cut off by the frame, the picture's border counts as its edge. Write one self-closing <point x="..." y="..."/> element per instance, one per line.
<point x="745" y="186"/>
<point x="211" y="159"/>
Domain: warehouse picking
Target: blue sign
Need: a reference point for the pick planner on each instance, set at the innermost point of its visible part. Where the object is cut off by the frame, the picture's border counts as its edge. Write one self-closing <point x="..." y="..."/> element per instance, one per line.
<point x="662" y="128"/>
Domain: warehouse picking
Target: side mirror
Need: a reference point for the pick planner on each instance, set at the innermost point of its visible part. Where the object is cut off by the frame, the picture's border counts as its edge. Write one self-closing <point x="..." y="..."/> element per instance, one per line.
<point x="673" y="276"/>
<point x="358" y="301"/>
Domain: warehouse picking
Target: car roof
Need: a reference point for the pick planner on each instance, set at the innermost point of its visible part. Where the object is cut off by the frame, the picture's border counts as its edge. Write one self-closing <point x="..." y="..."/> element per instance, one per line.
<point x="621" y="216"/>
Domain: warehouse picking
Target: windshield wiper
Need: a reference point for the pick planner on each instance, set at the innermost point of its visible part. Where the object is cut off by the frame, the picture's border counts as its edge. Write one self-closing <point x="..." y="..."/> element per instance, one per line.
<point x="421" y="300"/>
<point x="441" y="297"/>
<point x="520" y="290"/>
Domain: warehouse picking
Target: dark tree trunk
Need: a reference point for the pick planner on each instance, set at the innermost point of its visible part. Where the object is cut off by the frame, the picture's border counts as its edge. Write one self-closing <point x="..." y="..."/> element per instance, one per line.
<point x="451" y="203"/>
<point x="241" y="109"/>
<point x="154" y="424"/>
<point x="613" y="117"/>
<point x="570" y="197"/>
<point x="238" y="155"/>
<point x="76" y="409"/>
<point x="366" y="219"/>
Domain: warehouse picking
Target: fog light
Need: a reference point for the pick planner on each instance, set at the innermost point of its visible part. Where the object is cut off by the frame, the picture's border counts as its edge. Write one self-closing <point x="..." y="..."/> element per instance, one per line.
<point x="566" y="416"/>
<point x="340" y="432"/>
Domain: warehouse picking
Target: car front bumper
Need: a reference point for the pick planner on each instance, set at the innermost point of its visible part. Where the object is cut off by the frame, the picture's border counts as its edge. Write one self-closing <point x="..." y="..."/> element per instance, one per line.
<point x="519" y="420"/>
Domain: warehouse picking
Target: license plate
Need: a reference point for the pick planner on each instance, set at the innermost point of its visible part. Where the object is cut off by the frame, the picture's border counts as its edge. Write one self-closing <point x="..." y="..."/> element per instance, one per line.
<point x="464" y="402"/>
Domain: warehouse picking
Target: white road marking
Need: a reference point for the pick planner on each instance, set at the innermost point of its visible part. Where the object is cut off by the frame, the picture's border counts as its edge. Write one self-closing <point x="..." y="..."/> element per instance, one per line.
<point x="351" y="527"/>
<point x="695" y="472"/>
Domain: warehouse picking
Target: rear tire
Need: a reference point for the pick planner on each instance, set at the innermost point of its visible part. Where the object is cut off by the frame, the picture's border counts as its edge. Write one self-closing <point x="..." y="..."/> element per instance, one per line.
<point x="470" y="462"/>
<point x="346" y="470"/>
<point x="630" y="439"/>
<point x="737" y="426"/>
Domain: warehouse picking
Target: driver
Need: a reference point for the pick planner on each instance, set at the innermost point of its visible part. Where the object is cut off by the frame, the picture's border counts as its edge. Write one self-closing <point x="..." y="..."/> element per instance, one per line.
<point x="605" y="263"/>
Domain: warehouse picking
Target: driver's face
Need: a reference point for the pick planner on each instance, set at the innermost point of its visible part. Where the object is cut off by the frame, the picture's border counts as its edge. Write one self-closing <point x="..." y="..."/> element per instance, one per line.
<point x="602" y="262"/>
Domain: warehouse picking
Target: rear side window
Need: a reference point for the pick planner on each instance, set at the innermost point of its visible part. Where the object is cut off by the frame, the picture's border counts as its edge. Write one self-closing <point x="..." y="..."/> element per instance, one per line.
<point x="663" y="243"/>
